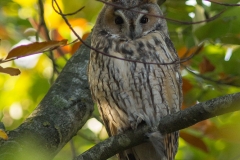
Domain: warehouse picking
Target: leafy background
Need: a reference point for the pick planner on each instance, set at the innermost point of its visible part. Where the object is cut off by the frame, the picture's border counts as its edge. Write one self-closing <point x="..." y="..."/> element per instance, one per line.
<point x="213" y="71"/>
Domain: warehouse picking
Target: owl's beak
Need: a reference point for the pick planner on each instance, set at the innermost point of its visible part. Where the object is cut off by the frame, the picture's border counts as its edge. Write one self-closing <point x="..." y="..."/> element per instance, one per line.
<point x="132" y="35"/>
<point x="132" y="32"/>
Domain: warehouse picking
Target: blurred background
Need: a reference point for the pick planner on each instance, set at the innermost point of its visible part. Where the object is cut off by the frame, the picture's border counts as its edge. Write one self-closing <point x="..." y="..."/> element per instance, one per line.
<point x="213" y="71"/>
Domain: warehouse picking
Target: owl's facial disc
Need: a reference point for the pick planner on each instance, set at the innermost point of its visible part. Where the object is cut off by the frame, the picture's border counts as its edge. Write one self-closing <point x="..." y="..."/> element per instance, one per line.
<point x="131" y="23"/>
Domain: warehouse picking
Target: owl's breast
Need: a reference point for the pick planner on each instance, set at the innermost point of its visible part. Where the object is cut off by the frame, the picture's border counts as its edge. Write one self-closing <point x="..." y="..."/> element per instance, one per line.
<point x="141" y="91"/>
<point x="131" y="89"/>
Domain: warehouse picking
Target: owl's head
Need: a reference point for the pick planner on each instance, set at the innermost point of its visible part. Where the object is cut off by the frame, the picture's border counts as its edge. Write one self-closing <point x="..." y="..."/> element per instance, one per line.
<point x="130" y="24"/>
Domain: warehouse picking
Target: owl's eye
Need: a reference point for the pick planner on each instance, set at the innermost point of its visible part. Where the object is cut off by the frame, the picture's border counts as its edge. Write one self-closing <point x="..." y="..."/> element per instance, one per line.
<point x="144" y="20"/>
<point x="118" y="20"/>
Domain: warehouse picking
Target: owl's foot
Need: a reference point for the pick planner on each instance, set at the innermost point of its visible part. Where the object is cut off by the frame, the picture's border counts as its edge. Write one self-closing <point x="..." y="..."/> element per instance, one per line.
<point x="135" y="123"/>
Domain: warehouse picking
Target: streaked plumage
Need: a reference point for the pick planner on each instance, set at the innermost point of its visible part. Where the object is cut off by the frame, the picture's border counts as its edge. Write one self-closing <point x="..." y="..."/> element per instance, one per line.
<point x="129" y="92"/>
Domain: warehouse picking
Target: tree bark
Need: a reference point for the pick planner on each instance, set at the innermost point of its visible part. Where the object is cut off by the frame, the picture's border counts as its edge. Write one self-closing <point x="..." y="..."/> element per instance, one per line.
<point x="62" y="112"/>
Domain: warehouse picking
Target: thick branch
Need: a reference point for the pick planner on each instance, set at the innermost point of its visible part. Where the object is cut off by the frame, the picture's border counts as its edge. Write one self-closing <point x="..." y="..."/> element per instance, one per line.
<point x="62" y="112"/>
<point x="168" y="124"/>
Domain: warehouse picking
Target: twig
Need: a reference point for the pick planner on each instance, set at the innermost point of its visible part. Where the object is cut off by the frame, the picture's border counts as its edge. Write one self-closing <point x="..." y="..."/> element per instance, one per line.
<point x="163" y="17"/>
<point x="73" y="149"/>
<point x="209" y="79"/>
<point x="46" y="31"/>
<point x="224" y="4"/>
<point x="66" y="14"/>
<point x="192" y="55"/>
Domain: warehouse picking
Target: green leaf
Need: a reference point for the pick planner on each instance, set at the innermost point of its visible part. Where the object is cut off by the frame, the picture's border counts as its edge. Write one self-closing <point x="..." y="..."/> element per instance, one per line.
<point x="225" y="26"/>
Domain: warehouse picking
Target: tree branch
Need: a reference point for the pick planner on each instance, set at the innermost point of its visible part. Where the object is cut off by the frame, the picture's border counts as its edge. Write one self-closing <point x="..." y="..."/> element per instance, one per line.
<point x="62" y="112"/>
<point x="168" y="124"/>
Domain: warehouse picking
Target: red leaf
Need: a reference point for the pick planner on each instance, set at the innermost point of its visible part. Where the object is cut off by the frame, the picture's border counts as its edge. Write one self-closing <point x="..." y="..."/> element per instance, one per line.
<point x="206" y="66"/>
<point x="64" y="49"/>
<point x="187" y="86"/>
<point x="10" y="71"/>
<point x="186" y="52"/>
<point x="33" y="48"/>
<point x="194" y="141"/>
<point x="208" y="128"/>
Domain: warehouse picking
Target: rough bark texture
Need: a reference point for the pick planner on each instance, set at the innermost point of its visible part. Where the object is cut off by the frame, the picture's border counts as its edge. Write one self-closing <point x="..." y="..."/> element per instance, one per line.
<point x="61" y="113"/>
<point x="168" y="124"/>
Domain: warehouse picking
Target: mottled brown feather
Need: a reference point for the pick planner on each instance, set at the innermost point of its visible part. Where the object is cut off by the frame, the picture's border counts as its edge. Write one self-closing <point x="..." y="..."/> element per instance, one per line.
<point x="129" y="92"/>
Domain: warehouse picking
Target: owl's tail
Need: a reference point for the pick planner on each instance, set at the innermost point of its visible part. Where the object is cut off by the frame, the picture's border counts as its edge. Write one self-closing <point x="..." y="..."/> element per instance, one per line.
<point x="159" y="148"/>
<point x="165" y="146"/>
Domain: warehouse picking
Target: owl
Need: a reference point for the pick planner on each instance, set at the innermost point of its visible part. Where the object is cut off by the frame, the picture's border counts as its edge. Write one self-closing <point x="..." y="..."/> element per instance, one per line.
<point x="134" y="74"/>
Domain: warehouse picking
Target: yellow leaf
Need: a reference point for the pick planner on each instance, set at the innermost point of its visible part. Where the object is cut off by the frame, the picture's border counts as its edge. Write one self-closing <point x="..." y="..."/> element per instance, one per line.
<point x="230" y="132"/>
<point x="34" y="48"/>
<point x="11" y="71"/>
<point x="3" y="134"/>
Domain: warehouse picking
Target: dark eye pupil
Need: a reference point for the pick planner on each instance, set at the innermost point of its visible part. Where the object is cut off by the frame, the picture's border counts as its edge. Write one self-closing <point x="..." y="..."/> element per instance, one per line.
<point x="144" y="20"/>
<point x="118" y="20"/>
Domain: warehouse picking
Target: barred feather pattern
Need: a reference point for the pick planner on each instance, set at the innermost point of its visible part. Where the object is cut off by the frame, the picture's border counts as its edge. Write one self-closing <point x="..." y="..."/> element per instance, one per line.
<point x="128" y="93"/>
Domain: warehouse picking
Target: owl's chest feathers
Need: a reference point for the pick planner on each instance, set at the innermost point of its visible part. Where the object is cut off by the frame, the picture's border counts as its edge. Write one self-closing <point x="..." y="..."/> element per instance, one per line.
<point x="138" y="90"/>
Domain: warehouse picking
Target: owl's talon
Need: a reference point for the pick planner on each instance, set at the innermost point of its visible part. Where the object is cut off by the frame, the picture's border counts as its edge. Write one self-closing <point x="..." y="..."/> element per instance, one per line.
<point x="139" y="120"/>
<point x="134" y="124"/>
